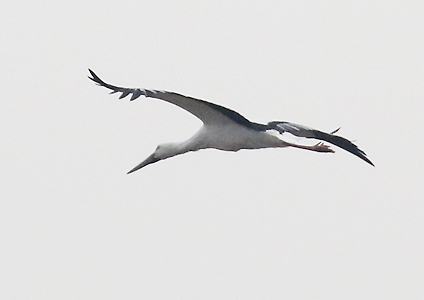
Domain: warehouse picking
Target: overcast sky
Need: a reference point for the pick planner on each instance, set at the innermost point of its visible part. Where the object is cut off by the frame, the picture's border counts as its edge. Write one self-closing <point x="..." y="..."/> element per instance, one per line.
<point x="264" y="224"/>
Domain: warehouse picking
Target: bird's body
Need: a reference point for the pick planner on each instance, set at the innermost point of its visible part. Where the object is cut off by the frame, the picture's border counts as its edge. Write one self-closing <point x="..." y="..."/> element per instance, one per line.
<point x="232" y="137"/>
<point x="227" y="130"/>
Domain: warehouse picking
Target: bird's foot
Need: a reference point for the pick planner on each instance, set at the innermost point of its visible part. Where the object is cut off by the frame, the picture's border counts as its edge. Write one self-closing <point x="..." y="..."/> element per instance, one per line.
<point x="320" y="147"/>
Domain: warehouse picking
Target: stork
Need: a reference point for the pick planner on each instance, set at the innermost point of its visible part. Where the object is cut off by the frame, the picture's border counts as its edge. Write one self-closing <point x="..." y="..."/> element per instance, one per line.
<point x="227" y="130"/>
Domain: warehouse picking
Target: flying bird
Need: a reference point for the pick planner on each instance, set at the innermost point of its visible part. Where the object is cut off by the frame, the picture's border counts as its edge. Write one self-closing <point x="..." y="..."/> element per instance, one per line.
<point x="227" y="130"/>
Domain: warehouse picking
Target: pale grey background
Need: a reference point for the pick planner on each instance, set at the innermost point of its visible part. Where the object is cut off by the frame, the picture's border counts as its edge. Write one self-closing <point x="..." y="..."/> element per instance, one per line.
<point x="266" y="224"/>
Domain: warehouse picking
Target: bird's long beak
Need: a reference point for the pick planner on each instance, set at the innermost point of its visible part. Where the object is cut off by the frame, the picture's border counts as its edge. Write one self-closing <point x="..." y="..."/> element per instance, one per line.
<point x="151" y="159"/>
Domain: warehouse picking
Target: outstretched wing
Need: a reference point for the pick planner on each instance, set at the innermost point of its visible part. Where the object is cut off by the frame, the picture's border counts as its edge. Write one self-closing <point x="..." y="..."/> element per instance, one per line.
<point x="303" y="131"/>
<point x="208" y="112"/>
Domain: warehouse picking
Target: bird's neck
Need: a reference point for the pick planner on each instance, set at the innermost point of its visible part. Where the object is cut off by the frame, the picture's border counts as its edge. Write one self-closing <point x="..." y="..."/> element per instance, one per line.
<point x="173" y="149"/>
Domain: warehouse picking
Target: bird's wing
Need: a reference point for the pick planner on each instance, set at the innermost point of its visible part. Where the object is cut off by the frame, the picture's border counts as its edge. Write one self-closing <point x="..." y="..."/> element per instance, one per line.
<point x="208" y="112"/>
<point x="303" y="131"/>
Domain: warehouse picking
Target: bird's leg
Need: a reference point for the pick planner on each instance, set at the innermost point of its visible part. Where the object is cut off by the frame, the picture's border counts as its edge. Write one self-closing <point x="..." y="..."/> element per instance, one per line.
<point x="320" y="147"/>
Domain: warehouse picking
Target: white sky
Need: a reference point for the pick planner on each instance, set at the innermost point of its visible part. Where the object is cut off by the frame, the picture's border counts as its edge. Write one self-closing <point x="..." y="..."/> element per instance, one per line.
<point x="266" y="224"/>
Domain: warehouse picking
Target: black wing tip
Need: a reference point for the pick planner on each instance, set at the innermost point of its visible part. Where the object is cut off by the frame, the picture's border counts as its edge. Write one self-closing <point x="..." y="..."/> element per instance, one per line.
<point x="357" y="152"/>
<point x="361" y="154"/>
<point x="115" y="89"/>
<point x="95" y="78"/>
<point x="92" y="74"/>
<point x="342" y="143"/>
<point x="367" y="160"/>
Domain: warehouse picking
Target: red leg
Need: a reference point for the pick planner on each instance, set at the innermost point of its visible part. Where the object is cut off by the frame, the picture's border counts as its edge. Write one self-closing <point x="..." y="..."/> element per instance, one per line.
<point x="320" y="147"/>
